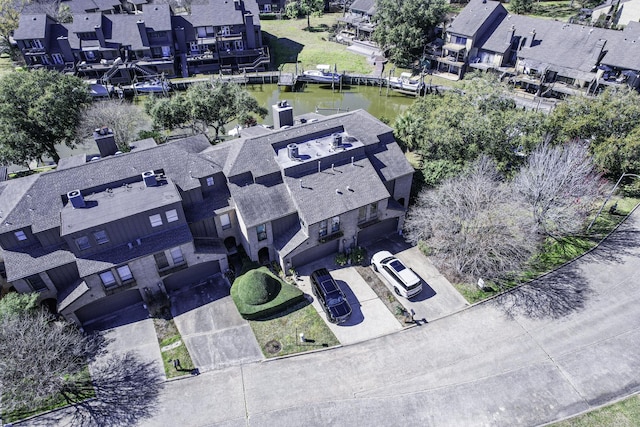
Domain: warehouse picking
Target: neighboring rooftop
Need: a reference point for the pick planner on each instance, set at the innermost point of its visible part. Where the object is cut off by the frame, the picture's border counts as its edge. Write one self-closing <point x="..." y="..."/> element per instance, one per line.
<point x="117" y="203"/>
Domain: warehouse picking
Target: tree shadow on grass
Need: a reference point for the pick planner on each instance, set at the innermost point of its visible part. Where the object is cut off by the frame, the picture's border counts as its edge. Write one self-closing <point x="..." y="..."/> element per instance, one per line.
<point x="126" y="392"/>
<point x="555" y="295"/>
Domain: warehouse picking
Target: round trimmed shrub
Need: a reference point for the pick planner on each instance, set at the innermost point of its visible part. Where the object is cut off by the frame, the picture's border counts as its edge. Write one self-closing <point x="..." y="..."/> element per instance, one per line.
<point x="256" y="287"/>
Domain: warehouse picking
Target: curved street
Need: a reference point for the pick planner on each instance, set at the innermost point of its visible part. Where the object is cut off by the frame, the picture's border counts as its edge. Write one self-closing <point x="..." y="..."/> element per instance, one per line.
<point x="556" y="347"/>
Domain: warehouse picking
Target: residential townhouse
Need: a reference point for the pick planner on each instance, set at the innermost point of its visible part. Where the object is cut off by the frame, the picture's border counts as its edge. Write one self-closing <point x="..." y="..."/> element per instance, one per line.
<point x="96" y="236"/>
<point x="119" y="42"/>
<point x="545" y="57"/>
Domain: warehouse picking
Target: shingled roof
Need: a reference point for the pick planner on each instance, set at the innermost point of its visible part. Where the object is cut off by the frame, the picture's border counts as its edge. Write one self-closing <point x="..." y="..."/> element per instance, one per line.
<point x="41" y="206"/>
<point x="473" y="17"/>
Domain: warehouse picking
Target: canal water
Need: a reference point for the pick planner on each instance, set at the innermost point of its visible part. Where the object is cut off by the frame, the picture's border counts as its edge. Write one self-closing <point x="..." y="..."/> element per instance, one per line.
<point x="383" y="103"/>
<point x="322" y="99"/>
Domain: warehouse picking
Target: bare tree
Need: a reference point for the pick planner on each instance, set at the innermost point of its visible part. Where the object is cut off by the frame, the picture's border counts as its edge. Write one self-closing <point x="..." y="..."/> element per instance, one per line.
<point x="42" y="358"/>
<point x="559" y="185"/>
<point x="122" y="117"/>
<point x="472" y="225"/>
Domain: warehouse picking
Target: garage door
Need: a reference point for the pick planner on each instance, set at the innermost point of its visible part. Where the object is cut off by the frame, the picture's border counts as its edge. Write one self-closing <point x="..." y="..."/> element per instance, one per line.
<point x="191" y="275"/>
<point x="109" y="305"/>
<point x="378" y="231"/>
<point x="315" y="253"/>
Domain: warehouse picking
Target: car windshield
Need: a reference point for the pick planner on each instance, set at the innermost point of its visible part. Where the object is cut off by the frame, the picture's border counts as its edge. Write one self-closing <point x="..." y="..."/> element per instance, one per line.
<point x="397" y="265"/>
<point x="334" y="299"/>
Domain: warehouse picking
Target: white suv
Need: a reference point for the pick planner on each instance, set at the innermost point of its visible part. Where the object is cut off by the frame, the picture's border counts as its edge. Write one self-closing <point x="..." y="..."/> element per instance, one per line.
<point x="401" y="278"/>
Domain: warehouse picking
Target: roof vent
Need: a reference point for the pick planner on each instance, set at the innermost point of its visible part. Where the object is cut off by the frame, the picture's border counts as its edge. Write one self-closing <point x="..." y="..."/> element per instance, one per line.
<point x="292" y="150"/>
<point x="149" y="178"/>
<point x="76" y="199"/>
<point x="336" y="142"/>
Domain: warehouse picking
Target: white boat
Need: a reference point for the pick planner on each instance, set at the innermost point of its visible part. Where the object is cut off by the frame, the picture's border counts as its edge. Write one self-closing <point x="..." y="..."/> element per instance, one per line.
<point x="406" y="82"/>
<point x="322" y="74"/>
<point x="153" y="86"/>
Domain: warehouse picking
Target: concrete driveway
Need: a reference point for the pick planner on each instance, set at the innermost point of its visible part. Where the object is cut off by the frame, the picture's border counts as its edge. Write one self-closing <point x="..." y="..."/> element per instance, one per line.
<point x="438" y="297"/>
<point x="125" y="332"/>
<point x="213" y="331"/>
<point x="369" y="318"/>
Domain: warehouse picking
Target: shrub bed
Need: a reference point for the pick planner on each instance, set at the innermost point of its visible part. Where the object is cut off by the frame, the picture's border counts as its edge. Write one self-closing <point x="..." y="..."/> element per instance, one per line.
<point x="259" y="293"/>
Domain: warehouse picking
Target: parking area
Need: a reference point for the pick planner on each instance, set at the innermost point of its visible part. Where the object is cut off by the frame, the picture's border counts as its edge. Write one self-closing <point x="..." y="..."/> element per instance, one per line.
<point x="369" y="318"/>
<point x="438" y="297"/>
<point x="211" y="327"/>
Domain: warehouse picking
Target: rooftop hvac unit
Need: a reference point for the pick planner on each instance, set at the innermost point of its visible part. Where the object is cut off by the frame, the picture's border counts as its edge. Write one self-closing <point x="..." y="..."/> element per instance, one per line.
<point x="76" y="199"/>
<point x="149" y="178"/>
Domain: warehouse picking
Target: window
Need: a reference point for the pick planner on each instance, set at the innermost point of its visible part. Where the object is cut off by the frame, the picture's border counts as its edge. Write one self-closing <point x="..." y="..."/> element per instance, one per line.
<point x="107" y="278"/>
<point x="261" y="230"/>
<point x="202" y="32"/>
<point x="373" y="210"/>
<point x="156" y="220"/>
<point x="194" y="47"/>
<point x="362" y="214"/>
<point x="36" y="283"/>
<point x="267" y="8"/>
<point x="172" y="215"/>
<point x="323" y="228"/>
<point x="225" y="221"/>
<point x="176" y="255"/>
<point x="161" y="260"/>
<point x="210" y="181"/>
<point x="83" y="243"/>
<point x="57" y="58"/>
<point x="90" y="55"/>
<point x="335" y="224"/>
<point x="238" y="45"/>
<point x="225" y="31"/>
<point x="125" y="273"/>
<point x="36" y="43"/>
<point x="460" y="40"/>
<point x="20" y="235"/>
<point x="101" y="237"/>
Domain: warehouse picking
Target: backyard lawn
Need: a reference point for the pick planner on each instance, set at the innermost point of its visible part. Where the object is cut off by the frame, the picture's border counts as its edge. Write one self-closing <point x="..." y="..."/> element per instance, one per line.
<point x="290" y="40"/>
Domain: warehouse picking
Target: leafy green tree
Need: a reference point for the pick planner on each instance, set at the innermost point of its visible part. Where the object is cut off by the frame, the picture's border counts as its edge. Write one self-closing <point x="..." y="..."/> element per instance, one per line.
<point x="9" y="17"/>
<point x="607" y="121"/>
<point x="38" y="110"/>
<point x="403" y="27"/>
<point x="521" y="7"/>
<point x="305" y="8"/>
<point x="452" y="130"/>
<point x="204" y="105"/>
<point x="15" y="303"/>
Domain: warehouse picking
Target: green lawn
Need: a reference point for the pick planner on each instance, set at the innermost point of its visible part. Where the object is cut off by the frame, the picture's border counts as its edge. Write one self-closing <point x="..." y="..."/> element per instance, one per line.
<point x="280" y="335"/>
<point x="291" y="41"/>
<point x="168" y="334"/>
<point x="560" y="10"/>
<point x="625" y="413"/>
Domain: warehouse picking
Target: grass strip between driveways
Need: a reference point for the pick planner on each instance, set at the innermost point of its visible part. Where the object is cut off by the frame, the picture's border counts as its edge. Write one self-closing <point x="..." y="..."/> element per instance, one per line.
<point x="386" y="296"/>
<point x="625" y="413"/>
<point x="279" y="335"/>
<point x="172" y="348"/>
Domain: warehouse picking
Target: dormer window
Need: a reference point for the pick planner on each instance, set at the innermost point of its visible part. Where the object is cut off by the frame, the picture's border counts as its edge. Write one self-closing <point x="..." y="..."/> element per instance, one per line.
<point x="209" y="181"/>
<point x="20" y="235"/>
